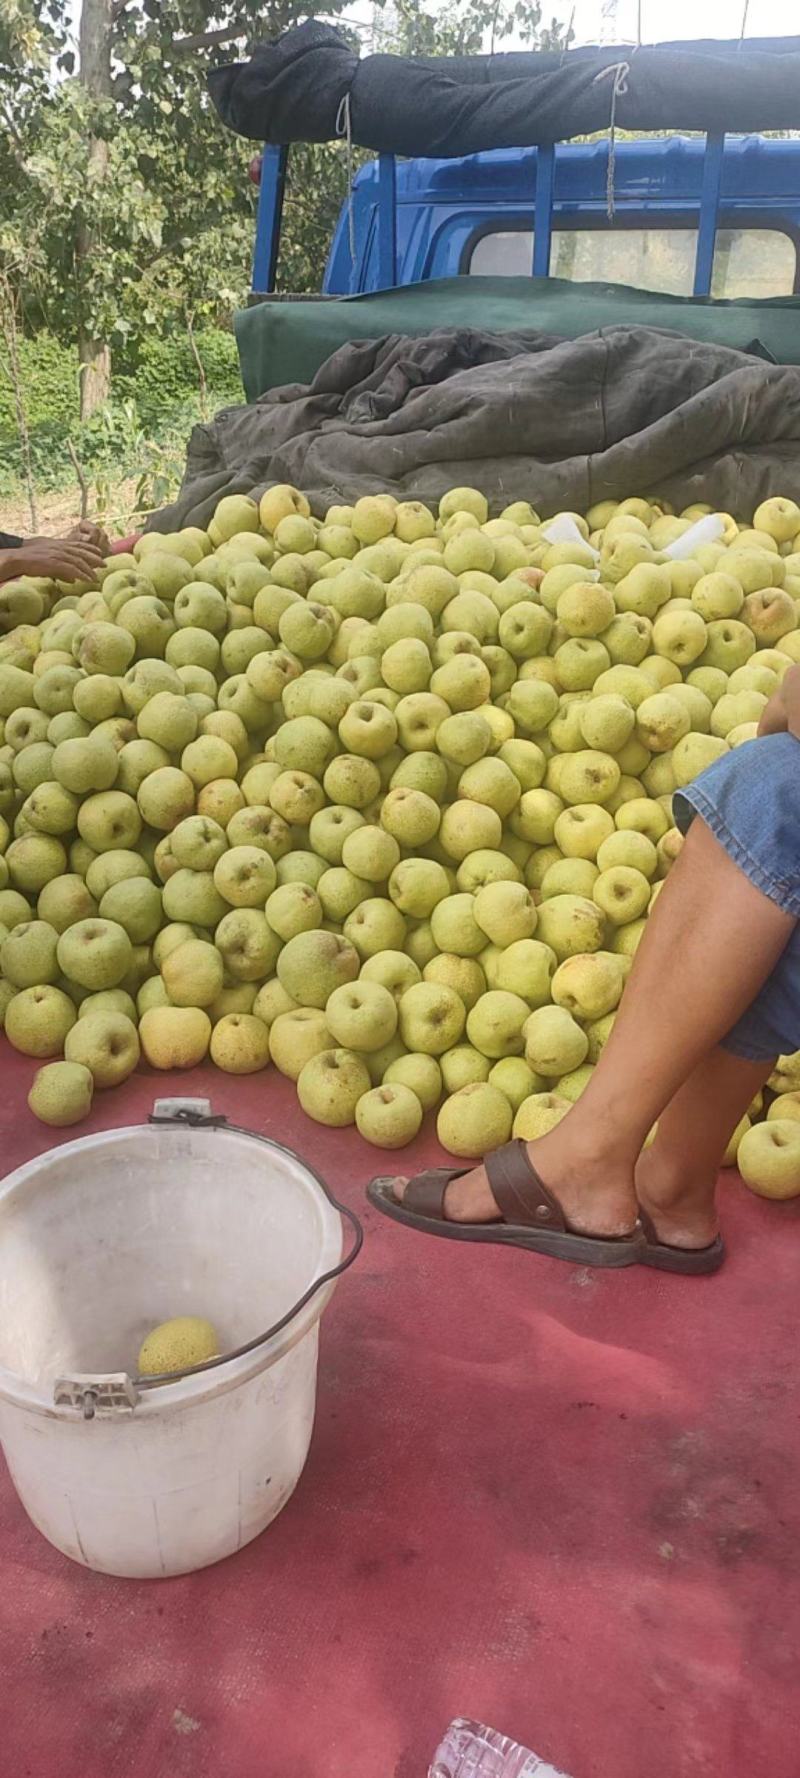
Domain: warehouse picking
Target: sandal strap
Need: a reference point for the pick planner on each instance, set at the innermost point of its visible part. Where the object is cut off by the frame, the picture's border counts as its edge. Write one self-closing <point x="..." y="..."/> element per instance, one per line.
<point x="521" y="1196"/>
<point x="424" y="1194"/>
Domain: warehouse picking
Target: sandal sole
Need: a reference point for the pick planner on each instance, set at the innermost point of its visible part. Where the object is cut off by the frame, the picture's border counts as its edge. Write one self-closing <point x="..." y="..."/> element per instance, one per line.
<point x="579" y="1250"/>
<point x="698" y="1262"/>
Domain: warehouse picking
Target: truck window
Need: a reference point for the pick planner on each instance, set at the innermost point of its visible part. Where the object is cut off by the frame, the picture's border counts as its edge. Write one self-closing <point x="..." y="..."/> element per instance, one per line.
<point x="747" y="262"/>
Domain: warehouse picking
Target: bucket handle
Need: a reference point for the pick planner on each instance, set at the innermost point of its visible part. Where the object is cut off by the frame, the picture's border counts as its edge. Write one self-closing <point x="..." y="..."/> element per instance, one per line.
<point x="196" y="1117"/>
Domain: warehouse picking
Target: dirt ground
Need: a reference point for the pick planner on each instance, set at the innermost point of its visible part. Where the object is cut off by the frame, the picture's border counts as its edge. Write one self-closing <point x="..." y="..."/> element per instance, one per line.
<point x="59" y="510"/>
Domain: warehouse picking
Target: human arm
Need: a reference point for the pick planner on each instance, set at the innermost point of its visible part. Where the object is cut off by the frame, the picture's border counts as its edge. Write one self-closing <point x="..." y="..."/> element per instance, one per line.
<point x="52" y="558"/>
<point x="782" y="714"/>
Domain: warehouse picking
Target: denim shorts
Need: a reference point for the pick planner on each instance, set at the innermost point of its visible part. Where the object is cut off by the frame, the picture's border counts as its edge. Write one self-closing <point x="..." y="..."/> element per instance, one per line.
<point x="750" y="799"/>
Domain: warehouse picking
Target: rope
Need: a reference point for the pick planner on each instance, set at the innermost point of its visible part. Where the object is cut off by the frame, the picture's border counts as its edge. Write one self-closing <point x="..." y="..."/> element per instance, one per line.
<point x="617" y="72"/>
<point x="344" y="128"/>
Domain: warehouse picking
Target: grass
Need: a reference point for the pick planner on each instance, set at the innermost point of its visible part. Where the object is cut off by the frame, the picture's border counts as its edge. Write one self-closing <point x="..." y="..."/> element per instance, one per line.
<point x="116" y="467"/>
<point x="58" y="509"/>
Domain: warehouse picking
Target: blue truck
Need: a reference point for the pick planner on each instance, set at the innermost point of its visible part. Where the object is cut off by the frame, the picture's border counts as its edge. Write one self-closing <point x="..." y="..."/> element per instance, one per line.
<point x="716" y="216"/>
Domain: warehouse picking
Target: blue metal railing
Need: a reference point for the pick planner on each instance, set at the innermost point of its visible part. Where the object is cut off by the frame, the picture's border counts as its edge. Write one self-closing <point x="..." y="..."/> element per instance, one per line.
<point x="269" y="216"/>
<point x="709" y="211"/>
<point x="273" y="183"/>
<point x="387" y="221"/>
<point x="543" y="210"/>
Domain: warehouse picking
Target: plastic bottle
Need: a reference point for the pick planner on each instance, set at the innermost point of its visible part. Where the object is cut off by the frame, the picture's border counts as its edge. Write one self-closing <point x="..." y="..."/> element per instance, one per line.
<point x="470" y="1750"/>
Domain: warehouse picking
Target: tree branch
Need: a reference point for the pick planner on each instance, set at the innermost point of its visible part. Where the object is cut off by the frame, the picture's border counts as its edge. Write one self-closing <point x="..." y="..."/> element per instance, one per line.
<point x="81" y="477"/>
<point x="206" y="40"/>
<point x="15" y="143"/>
<point x="201" y="373"/>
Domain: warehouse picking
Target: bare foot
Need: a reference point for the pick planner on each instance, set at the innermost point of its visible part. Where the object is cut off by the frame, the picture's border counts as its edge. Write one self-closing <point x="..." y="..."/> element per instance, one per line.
<point x="682" y="1211"/>
<point x="596" y="1196"/>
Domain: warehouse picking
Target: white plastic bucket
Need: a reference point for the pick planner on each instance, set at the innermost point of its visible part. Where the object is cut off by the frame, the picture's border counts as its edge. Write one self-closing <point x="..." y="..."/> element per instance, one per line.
<point x="102" y="1239"/>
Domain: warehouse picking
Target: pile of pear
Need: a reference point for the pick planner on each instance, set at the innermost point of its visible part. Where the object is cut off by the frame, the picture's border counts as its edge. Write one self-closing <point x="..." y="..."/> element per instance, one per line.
<point x="381" y="800"/>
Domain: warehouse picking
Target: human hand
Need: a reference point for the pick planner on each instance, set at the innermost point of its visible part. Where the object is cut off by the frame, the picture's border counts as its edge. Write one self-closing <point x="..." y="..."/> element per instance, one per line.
<point x="782" y="714"/>
<point x="86" y="532"/>
<point x="52" y="558"/>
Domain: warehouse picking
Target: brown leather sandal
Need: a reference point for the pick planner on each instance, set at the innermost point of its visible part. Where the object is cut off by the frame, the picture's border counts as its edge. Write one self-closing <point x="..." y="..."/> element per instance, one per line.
<point x="532" y="1216"/>
<point x="693" y="1262"/>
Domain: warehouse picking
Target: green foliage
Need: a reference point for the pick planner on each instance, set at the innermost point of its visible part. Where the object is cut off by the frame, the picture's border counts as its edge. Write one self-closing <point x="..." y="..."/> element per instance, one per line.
<point x="127" y="216"/>
<point x="50" y="377"/>
<point x="141" y="433"/>
<point x="160" y="376"/>
<point x="167" y="199"/>
<point x="163" y="375"/>
<point x="466" y="27"/>
<point x="144" y="166"/>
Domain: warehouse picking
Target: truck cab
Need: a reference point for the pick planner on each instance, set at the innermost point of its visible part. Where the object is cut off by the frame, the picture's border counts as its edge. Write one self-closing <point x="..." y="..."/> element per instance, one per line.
<point x="476" y="217"/>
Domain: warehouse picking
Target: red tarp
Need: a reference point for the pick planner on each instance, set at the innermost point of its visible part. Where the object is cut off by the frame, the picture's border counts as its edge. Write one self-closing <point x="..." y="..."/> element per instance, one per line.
<point x="562" y="1501"/>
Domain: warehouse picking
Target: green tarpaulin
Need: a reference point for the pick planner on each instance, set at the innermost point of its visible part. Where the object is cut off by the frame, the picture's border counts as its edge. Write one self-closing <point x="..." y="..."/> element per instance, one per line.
<point x="286" y="341"/>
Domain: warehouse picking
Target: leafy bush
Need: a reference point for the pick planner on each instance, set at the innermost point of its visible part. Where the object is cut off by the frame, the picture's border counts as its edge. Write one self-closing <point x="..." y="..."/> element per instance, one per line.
<point x="155" y="402"/>
<point x="50" y="381"/>
<point x="165" y="375"/>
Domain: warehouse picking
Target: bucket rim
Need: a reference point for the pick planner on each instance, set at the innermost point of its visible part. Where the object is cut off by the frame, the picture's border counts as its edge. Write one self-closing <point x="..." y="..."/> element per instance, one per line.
<point x="203" y="1385"/>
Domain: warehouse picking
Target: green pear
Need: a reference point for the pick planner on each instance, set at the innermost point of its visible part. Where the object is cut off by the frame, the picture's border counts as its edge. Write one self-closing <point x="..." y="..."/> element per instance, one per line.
<point x="606" y="722"/>
<point x="680" y="636"/>
<point x="28" y="954"/>
<point x="570" y="876"/>
<point x="33" y="861"/>
<point x="64" y="901"/>
<point x="135" y="905"/>
<point x="630" y="847"/>
<point x="736" y="708"/>
<point x="107" y="1044"/>
<point x="169" y="721"/>
<point x="768" y="1158"/>
<point x="539" y="1114"/>
<point x="588" y="776"/>
<point x="61" y="1094"/>
<point x="461" y="1066"/>
<point x="280" y="502"/>
<point x="717" y="596"/>
<point x="103" y="648"/>
<point x="86" y="765"/>
<point x="570" y="924"/>
<point x="581" y="829"/>
<point x="389" y="1116"/>
<point x="554" y="1042"/>
<point x="375" y="925"/>
<point x="770" y="614"/>
<point x="628" y="638"/>
<point x="51" y="809"/>
<point x="622" y="894"/>
<point x="526" y="968"/>
<point x="729" y="645"/>
<point x="330" y="1086"/>
<point x="505" y="913"/>
<point x="589" y="986"/>
<point x="361" y="1015"/>
<point x="661" y="721"/>
<point x="95" y="954"/>
<point x="496" y="1022"/>
<point x="535" y="816"/>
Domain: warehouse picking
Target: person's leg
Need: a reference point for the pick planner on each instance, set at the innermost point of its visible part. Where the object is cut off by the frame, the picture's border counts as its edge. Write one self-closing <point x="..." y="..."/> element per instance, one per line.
<point x="711" y="942"/>
<point x="676" y="1176"/>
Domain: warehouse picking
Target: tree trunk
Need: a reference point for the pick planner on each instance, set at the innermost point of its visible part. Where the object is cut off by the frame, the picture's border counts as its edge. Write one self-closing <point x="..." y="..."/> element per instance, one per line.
<point x="9" y="303"/>
<point x="95" y="73"/>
